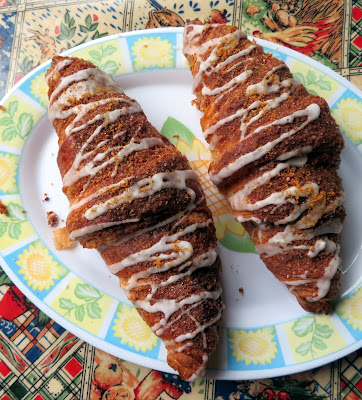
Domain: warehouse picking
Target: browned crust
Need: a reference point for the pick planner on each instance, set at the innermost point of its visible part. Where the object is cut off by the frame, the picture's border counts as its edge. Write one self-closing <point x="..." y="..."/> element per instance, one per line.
<point x="150" y="211"/>
<point x="322" y="134"/>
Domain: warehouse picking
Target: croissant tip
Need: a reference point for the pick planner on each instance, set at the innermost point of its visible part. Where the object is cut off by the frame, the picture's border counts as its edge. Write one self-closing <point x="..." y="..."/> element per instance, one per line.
<point x="316" y="306"/>
<point x="189" y="368"/>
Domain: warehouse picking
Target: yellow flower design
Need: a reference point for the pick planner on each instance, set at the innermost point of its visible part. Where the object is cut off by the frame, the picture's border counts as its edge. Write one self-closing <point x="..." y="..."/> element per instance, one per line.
<point x="253" y="347"/>
<point x="39" y="88"/>
<point x="38" y="267"/>
<point x="8" y="166"/>
<point x="200" y="159"/>
<point x="348" y="116"/>
<point x="133" y="330"/>
<point x="152" y="52"/>
<point x="351" y="310"/>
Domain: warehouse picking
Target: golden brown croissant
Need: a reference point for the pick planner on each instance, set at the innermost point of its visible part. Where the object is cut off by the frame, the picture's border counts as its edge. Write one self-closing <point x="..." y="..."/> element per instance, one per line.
<point x="276" y="150"/>
<point x="134" y="197"/>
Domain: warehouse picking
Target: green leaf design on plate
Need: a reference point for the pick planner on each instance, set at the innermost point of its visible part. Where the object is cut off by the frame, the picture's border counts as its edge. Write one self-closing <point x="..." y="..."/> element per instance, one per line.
<point x="14" y="231"/>
<point x="314" y="334"/>
<point x="25" y="124"/>
<point x="300" y="77"/>
<point x="13" y="108"/>
<point x="95" y="55"/>
<point x="3" y="228"/>
<point x="323" y="331"/>
<point x="303" y="326"/>
<point x="66" y="304"/>
<point x="15" y="212"/>
<point x="310" y="77"/>
<point x="174" y="130"/>
<point x="86" y="292"/>
<point x="304" y="348"/>
<point x="6" y="121"/>
<point x="80" y="313"/>
<point x="109" y="67"/>
<point x="324" y="85"/>
<point x="109" y="50"/>
<point x="93" y="310"/>
<point x="9" y="133"/>
<point x="318" y="343"/>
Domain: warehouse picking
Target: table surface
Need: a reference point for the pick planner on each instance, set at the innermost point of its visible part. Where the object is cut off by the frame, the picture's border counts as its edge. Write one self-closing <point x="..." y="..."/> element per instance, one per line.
<point x="41" y="360"/>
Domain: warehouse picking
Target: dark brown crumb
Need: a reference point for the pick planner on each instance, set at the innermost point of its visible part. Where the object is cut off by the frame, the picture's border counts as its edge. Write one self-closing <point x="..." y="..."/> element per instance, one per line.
<point x="53" y="219"/>
<point x="241" y="290"/>
<point x="23" y="211"/>
<point x="46" y="198"/>
<point x="3" y="208"/>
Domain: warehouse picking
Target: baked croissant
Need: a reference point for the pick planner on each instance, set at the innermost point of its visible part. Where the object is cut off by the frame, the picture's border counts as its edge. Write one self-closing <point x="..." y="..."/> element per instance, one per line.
<point x="275" y="150"/>
<point x="134" y="197"/>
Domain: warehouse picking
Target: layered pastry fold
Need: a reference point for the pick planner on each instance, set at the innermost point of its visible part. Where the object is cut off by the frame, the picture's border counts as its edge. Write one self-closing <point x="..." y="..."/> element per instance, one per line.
<point x="135" y="198"/>
<point x="275" y="155"/>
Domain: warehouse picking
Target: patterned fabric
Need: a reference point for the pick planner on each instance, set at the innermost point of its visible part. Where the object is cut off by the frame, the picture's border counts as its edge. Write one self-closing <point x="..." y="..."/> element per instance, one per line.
<point x="38" y="358"/>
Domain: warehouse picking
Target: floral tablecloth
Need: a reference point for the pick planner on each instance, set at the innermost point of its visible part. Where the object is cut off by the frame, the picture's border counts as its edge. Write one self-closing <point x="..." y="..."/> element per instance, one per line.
<point x="41" y="360"/>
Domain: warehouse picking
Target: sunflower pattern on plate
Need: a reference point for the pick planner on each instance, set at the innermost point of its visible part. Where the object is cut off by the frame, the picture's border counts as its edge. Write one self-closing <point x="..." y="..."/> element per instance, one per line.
<point x="350" y="310"/>
<point x="132" y="330"/>
<point x="258" y="347"/>
<point x="39" y="268"/>
<point x="35" y="266"/>
<point x="149" y="52"/>
<point x="8" y="171"/>
<point x="39" y="89"/>
<point x="348" y="115"/>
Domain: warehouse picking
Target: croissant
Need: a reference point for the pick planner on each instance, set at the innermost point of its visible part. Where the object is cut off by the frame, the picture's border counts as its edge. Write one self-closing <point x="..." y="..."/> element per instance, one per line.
<point x="275" y="154"/>
<point x="134" y="197"/>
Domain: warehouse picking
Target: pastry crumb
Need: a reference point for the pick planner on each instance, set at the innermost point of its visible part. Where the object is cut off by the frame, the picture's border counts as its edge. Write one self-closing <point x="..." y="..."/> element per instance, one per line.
<point x="53" y="219"/>
<point x="61" y="239"/>
<point x="241" y="290"/>
<point x="2" y="108"/>
<point x="3" y="208"/>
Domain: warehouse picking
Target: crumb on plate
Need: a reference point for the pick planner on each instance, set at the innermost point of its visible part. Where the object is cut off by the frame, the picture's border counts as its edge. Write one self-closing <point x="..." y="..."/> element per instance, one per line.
<point x="3" y="208"/>
<point x="53" y="219"/>
<point x="61" y="239"/>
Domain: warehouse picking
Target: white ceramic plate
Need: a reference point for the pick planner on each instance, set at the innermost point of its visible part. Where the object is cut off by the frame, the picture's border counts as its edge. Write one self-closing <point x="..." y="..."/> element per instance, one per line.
<point x="265" y="332"/>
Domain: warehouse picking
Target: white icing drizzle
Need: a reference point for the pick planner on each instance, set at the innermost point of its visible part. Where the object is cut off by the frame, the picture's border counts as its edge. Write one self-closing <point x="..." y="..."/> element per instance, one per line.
<point x="83" y="75"/>
<point x="263" y="87"/>
<point x="305" y="213"/>
<point x="239" y="200"/>
<point x="77" y="233"/>
<point x="171" y="250"/>
<point x="206" y="65"/>
<point x="181" y="252"/>
<point x="311" y="112"/>
<point x="61" y="65"/>
<point x="89" y="169"/>
<point x="143" y="188"/>
<point x="238" y="79"/>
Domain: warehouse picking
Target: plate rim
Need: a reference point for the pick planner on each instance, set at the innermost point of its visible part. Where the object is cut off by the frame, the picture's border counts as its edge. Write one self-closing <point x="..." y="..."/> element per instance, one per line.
<point x="144" y="360"/>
